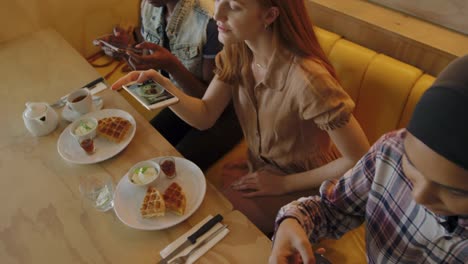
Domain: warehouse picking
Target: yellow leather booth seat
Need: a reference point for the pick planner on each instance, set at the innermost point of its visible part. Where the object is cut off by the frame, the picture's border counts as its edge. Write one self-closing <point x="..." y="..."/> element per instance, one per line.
<point x="326" y="39"/>
<point x="385" y="91"/>
<point x="418" y="89"/>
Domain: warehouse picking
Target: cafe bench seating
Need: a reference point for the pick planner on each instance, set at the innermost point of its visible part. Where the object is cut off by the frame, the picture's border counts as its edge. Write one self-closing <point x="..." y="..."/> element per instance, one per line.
<point x="385" y="91"/>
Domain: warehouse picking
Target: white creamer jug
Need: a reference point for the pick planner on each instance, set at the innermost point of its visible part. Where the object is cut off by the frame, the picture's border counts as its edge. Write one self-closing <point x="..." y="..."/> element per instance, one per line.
<point x="39" y="118"/>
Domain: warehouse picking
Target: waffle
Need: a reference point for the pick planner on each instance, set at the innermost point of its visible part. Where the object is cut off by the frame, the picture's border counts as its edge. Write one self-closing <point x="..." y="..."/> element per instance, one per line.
<point x="114" y="128"/>
<point x="153" y="204"/>
<point x="175" y="200"/>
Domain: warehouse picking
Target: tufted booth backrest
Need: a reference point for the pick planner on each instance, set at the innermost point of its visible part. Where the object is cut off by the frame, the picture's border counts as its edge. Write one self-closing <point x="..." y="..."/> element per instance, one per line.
<point x="349" y="69"/>
<point x="385" y="90"/>
<point x="418" y="89"/>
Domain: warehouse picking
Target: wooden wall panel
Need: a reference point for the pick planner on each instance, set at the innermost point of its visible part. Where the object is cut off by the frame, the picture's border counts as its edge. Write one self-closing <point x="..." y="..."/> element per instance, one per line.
<point x="452" y="14"/>
<point x="416" y="42"/>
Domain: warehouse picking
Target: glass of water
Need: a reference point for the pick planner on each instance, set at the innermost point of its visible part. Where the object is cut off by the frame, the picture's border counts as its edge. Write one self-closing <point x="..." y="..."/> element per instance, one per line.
<point x="98" y="190"/>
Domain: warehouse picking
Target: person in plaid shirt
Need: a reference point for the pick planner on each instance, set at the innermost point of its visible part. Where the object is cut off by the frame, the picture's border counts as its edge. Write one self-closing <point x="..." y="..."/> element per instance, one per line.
<point x="410" y="189"/>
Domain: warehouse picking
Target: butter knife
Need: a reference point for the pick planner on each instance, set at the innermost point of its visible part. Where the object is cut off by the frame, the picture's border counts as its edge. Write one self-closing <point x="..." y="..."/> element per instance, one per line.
<point x="183" y="259"/>
<point x="192" y="239"/>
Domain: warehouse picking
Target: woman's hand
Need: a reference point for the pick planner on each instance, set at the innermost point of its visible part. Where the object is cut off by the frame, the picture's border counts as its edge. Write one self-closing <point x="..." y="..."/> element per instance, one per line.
<point x="158" y="58"/>
<point x="264" y="182"/>
<point x="140" y="77"/>
<point x="291" y="244"/>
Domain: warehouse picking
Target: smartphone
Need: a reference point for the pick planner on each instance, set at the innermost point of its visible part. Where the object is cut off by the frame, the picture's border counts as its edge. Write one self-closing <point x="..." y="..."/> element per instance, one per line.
<point x="150" y="94"/>
<point x="118" y="48"/>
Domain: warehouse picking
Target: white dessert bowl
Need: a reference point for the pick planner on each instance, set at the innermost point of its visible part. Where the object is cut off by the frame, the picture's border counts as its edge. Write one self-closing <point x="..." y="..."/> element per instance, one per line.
<point x="144" y="173"/>
<point x="84" y="128"/>
<point x="84" y="131"/>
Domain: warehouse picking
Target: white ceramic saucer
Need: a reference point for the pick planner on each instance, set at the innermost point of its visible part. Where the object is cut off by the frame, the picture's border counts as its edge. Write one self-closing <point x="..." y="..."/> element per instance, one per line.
<point x="70" y="115"/>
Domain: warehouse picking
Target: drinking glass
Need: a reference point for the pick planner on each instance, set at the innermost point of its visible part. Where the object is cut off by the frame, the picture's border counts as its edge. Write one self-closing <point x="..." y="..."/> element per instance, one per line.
<point x="84" y="131"/>
<point x="87" y="145"/>
<point x="97" y="190"/>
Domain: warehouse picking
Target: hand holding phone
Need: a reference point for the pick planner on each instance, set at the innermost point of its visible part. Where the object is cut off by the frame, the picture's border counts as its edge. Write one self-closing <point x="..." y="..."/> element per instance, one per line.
<point x="150" y="94"/>
<point x="120" y="49"/>
<point x="116" y="44"/>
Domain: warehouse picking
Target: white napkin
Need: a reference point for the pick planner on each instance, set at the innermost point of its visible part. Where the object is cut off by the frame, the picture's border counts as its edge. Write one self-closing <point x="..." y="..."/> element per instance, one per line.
<point x="97" y="88"/>
<point x="198" y="253"/>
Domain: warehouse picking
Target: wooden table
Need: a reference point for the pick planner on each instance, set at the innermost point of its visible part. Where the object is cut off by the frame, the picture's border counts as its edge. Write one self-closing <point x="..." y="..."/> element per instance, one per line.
<point x="43" y="219"/>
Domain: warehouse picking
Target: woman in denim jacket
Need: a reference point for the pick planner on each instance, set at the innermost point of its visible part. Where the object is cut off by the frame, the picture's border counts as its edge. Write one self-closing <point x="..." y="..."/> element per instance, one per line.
<point x="182" y="40"/>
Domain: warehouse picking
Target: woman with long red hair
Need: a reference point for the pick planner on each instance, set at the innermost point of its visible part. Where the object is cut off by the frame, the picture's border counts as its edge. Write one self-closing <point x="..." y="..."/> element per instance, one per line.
<point x="296" y="118"/>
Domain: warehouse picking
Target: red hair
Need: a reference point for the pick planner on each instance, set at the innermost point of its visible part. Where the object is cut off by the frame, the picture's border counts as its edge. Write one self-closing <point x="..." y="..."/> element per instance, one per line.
<point x="294" y="30"/>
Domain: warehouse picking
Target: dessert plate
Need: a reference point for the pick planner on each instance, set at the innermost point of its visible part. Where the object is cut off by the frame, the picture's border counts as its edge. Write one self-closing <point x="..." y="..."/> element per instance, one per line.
<point x="128" y="197"/>
<point x="70" y="150"/>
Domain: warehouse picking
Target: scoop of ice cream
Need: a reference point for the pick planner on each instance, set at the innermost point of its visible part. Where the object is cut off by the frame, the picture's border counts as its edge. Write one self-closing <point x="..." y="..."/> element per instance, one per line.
<point x="84" y="127"/>
<point x="143" y="175"/>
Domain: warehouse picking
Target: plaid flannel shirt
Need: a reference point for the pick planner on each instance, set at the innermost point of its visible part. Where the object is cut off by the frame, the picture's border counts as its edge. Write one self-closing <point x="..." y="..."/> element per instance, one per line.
<point x="377" y="192"/>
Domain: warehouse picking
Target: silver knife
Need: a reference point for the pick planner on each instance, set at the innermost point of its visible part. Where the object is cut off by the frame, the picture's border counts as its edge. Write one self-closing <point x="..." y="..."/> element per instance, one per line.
<point x="192" y="239"/>
<point x="183" y="259"/>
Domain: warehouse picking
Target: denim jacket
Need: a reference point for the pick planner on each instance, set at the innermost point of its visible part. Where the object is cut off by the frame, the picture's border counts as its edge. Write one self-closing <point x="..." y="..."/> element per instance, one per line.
<point x="186" y="31"/>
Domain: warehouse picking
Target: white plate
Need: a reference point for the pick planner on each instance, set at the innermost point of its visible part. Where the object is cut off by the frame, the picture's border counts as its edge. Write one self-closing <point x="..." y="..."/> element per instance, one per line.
<point x="71" y="151"/>
<point x="128" y="197"/>
<point x="70" y="115"/>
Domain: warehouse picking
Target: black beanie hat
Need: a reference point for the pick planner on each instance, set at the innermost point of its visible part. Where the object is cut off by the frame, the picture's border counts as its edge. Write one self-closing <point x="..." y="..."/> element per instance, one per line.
<point x="440" y="119"/>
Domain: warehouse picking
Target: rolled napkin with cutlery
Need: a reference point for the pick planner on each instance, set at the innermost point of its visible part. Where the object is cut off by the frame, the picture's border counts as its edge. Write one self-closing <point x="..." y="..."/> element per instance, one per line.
<point x="202" y="250"/>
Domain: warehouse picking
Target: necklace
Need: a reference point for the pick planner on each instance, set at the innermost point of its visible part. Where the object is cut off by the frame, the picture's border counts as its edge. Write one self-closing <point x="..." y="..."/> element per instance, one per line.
<point x="259" y="65"/>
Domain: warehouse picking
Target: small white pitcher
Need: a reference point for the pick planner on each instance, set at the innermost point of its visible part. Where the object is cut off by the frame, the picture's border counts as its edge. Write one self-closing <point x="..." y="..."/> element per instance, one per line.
<point x="39" y="118"/>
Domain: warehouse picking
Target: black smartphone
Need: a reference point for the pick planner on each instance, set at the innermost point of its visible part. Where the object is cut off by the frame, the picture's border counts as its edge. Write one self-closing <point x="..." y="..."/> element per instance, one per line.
<point x="119" y="48"/>
<point x="320" y="259"/>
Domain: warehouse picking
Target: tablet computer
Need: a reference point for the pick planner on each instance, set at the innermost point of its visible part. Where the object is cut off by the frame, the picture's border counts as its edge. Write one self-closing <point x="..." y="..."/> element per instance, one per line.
<point x="150" y="94"/>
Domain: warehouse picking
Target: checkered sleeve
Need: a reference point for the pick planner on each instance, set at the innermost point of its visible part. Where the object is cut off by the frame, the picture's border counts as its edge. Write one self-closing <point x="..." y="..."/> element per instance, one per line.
<point x="341" y="205"/>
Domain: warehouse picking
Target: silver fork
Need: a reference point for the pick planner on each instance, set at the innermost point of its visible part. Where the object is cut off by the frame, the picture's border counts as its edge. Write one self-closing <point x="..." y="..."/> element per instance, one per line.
<point x="183" y="259"/>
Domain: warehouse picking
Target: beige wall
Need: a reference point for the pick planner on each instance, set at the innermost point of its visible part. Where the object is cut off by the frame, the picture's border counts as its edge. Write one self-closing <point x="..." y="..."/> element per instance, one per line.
<point x="79" y="22"/>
